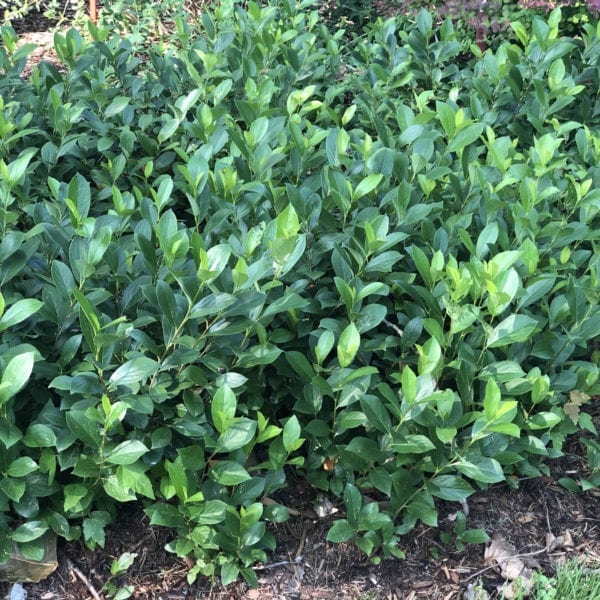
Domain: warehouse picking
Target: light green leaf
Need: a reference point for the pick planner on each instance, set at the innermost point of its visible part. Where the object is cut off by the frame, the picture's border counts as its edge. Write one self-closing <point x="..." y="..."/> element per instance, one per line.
<point x="19" y="312"/>
<point x="367" y="185"/>
<point x="29" y="531"/>
<point x="134" y="371"/>
<point x="223" y="408"/>
<point x="348" y="345"/>
<point x="340" y="532"/>
<point x="514" y="329"/>
<point x="16" y="375"/>
<point x="236" y="435"/>
<point x="482" y="469"/>
<point x="291" y="434"/>
<point x="22" y="466"/>
<point x="228" y="472"/>
<point x="127" y="452"/>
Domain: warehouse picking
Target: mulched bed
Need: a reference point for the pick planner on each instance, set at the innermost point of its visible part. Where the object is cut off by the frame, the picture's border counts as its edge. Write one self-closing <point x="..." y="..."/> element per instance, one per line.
<point x="305" y="566"/>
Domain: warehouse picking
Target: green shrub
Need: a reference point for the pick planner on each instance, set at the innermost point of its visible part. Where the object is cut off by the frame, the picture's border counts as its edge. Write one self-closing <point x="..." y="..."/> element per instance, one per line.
<point x="268" y="250"/>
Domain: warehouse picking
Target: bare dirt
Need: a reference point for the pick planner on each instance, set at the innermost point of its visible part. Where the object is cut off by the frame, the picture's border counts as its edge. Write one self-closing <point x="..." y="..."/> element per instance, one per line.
<point x="305" y="566"/>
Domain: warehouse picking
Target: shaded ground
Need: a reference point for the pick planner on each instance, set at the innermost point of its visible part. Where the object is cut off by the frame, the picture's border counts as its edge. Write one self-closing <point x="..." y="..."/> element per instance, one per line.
<point x="305" y="566"/>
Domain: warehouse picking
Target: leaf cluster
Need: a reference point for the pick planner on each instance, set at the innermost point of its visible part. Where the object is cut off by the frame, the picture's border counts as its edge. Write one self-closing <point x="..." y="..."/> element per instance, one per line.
<point x="266" y="250"/>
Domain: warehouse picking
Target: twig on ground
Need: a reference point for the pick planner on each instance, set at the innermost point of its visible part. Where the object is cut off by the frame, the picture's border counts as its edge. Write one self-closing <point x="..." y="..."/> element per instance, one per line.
<point x="280" y="563"/>
<point x="522" y="555"/>
<point x="300" y="548"/>
<point x="547" y="514"/>
<point x="84" y="580"/>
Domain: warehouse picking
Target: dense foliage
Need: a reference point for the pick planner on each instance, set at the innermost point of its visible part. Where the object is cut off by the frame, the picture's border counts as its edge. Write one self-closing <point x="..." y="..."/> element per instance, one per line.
<point x="263" y="250"/>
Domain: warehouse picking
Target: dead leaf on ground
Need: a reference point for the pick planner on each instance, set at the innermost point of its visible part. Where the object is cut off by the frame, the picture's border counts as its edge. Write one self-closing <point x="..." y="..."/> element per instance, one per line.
<point x="526" y="518"/>
<point x="562" y="542"/>
<point x="519" y="577"/>
<point x="576" y="399"/>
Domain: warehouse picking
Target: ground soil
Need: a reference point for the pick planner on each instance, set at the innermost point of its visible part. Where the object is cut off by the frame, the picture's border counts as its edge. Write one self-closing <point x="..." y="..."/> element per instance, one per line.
<point x="305" y="566"/>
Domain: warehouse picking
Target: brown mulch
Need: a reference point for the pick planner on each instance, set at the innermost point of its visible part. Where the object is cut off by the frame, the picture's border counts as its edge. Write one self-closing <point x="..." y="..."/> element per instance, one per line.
<point x="305" y="566"/>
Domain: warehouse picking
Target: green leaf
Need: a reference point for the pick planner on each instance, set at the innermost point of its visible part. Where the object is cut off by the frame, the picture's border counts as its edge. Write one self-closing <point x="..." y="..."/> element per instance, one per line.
<point x="134" y="371"/>
<point x="127" y="452"/>
<point x="353" y="502"/>
<point x="290" y="301"/>
<point x="168" y="129"/>
<point x="261" y="354"/>
<point x="39" y="436"/>
<point x="211" y="512"/>
<point x="83" y="427"/>
<point x="291" y="434"/>
<point x="348" y="345"/>
<point x="118" y="490"/>
<point x="74" y="493"/>
<point x="340" y="532"/>
<point x="93" y="529"/>
<point x="229" y="573"/>
<point x="502" y="371"/>
<point x="237" y="435"/>
<point x="300" y="364"/>
<point x="367" y="185"/>
<point x="487" y="237"/>
<point x="382" y="263"/>
<point x="132" y="477"/>
<point x="474" y="536"/>
<point x="423" y="507"/>
<point x="13" y="488"/>
<point x="116" y="106"/>
<point x="213" y="263"/>
<point x="178" y="478"/>
<point x="450" y="487"/>
<point x="462" y="317"/>
<point x="465" y="136"/>
<point x="223" y="408"/>
<point x="16" y="375"/>
<point x="18" y="167"/>
<point x="324" y="346"/>
<point x="19" y="312"/>
<point x="412" y="443"/>
<point x="120" y="566"/>
<point x="228" y="472"/>
<point x="481" y="469"/>
<point x="29" y="531"/>
<point x="513" y="329"/>
<point x="409" y="384"/>
<point x="22" y="466"/>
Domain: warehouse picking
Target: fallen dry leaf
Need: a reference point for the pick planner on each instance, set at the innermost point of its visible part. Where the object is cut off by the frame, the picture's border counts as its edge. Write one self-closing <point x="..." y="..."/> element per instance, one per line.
<point x="502" y="553"/>
<point x="576" y="399"/>
<point x="519" y="578"/>
<point x="562" y="542"/>
<point x="527" y="518"/>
